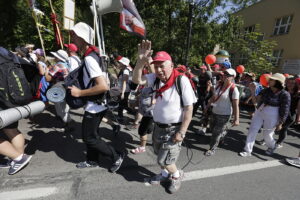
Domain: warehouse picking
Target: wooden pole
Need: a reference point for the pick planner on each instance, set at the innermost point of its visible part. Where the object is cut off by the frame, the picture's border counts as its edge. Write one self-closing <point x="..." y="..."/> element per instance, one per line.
<point x="58" y="30"/>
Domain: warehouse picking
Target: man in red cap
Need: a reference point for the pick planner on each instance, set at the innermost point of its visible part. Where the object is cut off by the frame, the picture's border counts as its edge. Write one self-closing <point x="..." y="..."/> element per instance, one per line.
<point x="172" y="113"/>
<point x="74" y="60"/>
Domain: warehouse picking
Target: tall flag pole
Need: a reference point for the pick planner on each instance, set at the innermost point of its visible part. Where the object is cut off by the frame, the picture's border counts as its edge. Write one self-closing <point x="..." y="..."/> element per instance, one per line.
<point x="35" y="13"/>
<point x="130" y="19"/>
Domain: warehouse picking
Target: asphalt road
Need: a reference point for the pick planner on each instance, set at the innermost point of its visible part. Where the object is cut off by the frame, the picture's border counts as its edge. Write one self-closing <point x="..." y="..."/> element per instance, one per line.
<point x="52" y="174"/>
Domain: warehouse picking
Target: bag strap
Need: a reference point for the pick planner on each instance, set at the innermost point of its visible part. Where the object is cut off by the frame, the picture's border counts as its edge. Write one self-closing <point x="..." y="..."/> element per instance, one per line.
<point x="178" y="88"/>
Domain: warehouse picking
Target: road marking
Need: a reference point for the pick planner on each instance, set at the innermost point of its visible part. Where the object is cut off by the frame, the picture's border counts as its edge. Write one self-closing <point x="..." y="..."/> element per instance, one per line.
<point x="200" y="174"/>
<point x="28" y="194"/>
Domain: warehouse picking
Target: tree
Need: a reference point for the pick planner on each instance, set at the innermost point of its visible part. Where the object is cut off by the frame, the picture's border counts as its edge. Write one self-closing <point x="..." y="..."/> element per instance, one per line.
<point x="256" y="51"/>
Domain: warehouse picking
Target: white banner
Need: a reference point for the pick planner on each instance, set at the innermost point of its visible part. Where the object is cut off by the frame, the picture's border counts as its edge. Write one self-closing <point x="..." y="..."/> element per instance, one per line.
<point x="69" y="14"/>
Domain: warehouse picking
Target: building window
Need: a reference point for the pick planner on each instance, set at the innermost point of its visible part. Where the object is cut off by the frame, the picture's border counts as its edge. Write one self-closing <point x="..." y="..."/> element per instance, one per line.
<point x="277" y="56"/>
<point x="283" y="25"/>
<point x="249" y="29"/>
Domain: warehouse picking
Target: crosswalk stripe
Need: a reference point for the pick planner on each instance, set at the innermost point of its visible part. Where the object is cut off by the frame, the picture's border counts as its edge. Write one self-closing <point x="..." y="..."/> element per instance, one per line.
<point x="28" y="194"/>
<point x="200" y="174"/>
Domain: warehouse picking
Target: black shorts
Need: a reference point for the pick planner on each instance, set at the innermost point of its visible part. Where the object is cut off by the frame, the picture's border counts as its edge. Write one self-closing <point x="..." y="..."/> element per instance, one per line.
<point x="146" y="126"/>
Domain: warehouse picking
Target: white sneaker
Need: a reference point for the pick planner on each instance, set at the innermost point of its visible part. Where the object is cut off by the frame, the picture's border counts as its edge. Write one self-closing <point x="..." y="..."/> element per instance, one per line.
<point x="278" y="146"/>
<point x="245" y="154"/>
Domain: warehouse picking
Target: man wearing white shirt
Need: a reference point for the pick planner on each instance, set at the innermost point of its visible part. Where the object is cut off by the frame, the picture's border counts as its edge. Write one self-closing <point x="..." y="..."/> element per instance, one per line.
<point x="172" y="112"/>
<point x="82" y="35"/>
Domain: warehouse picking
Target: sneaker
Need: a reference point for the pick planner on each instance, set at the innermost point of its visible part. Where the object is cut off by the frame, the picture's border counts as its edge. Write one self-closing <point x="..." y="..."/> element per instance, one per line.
<point x="245" y="154"/>
<point x="116" y="165"/>
<point x="201" y="132"/>
<point x="18" y="165"/>
<point x="6" y="165"/>
<point x="210" y="153"/>
<point x="262" y="143"/>
<point x="157" y="179"/>
<point x="270" y="151"/>
<point x="278" y="146"/>
<point x="138" y="150"/>
<point x="87" y="164"/>
<point x="293" y="161"/>
<point x="176" y="183"/>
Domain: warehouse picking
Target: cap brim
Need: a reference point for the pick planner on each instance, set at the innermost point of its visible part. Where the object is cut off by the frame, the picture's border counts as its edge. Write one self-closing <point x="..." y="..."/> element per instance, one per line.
<point x="57" y="56"/>
<point x="157" y="61"/>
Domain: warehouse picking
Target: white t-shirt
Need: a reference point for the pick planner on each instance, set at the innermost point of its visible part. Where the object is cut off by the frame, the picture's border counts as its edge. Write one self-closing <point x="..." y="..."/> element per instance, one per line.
<point x="94" y="71"/>
<point x="120" y="79"/>
<point x="167" y="108"/>
<point x="74" y="62"/>
<point x="223" y="105"/>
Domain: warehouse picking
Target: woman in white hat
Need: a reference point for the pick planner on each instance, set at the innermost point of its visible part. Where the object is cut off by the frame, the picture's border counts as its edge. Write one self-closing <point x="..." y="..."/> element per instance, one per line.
<point x="123" y="83"/>
<point x="273" y="108"/>
<point x="225" y="102"/>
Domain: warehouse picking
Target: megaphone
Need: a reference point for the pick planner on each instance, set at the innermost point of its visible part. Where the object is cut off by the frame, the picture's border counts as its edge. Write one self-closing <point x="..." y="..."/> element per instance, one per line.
<point x="107" y="6"/>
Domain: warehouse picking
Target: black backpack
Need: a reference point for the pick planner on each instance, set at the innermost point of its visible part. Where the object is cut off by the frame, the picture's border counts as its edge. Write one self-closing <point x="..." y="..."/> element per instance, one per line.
<point x="15" y="89"/>
<point x="76" y="78"/>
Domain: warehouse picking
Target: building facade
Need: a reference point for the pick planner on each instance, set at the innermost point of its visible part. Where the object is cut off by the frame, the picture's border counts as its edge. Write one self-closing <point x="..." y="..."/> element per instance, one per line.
<point x="279" y="20"/>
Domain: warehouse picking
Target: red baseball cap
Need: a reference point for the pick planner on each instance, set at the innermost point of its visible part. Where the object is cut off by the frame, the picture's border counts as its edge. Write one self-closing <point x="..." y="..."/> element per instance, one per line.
<point x="161" y="56"/>
<point x="203" y="67"/>
<point x="71" y="47"/>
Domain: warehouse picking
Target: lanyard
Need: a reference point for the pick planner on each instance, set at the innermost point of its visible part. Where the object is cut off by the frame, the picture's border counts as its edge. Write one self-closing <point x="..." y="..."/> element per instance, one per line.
<point x="222" y="92"/>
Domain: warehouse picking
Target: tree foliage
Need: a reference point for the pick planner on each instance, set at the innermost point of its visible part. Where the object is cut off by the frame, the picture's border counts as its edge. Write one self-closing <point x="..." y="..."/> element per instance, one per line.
<point x="166" y="22"/>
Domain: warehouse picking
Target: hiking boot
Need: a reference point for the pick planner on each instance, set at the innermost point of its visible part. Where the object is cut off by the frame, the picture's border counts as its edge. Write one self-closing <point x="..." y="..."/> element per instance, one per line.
<point x="87" y="164"/>
<point x="157" y="179"/>
<point x="117" y="164"/>
<point x="270" y="151"/>
<point x="18" y="165"/>
<point x="293" y="161"/>
<point x="6" y="165"/>
<point x="245" y="154"/>
<point x="176" y="183"/>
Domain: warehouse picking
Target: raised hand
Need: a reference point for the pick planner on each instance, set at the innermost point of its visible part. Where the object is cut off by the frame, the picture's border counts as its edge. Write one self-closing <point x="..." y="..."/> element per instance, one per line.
<point x="145" y="51"/>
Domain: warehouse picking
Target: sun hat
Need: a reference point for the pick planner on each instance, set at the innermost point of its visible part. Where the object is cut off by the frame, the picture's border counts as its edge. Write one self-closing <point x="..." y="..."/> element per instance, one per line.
<point x="123" y="60"/>
<point x="161" y="56"/>
<point x="84" y="31"/>
<point x="278" y="77"/>
<point x="61" y="55"/>
<point x="231" y="72"/>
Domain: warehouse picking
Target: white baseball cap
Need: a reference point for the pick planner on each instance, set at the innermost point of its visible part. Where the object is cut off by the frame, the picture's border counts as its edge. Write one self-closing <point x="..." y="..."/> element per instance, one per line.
<point x="61" y="55"/>
<point x="231" y="72"/>
<point x="125" y="61"/>
<point x="84" y="31"/>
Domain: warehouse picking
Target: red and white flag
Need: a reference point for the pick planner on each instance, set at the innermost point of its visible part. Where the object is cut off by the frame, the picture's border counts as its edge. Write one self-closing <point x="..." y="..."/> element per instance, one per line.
<point x="130" y="19"/>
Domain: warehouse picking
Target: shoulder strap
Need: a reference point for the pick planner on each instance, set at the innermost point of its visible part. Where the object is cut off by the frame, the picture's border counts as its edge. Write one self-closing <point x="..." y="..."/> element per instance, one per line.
<point x="178" y="88"/>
